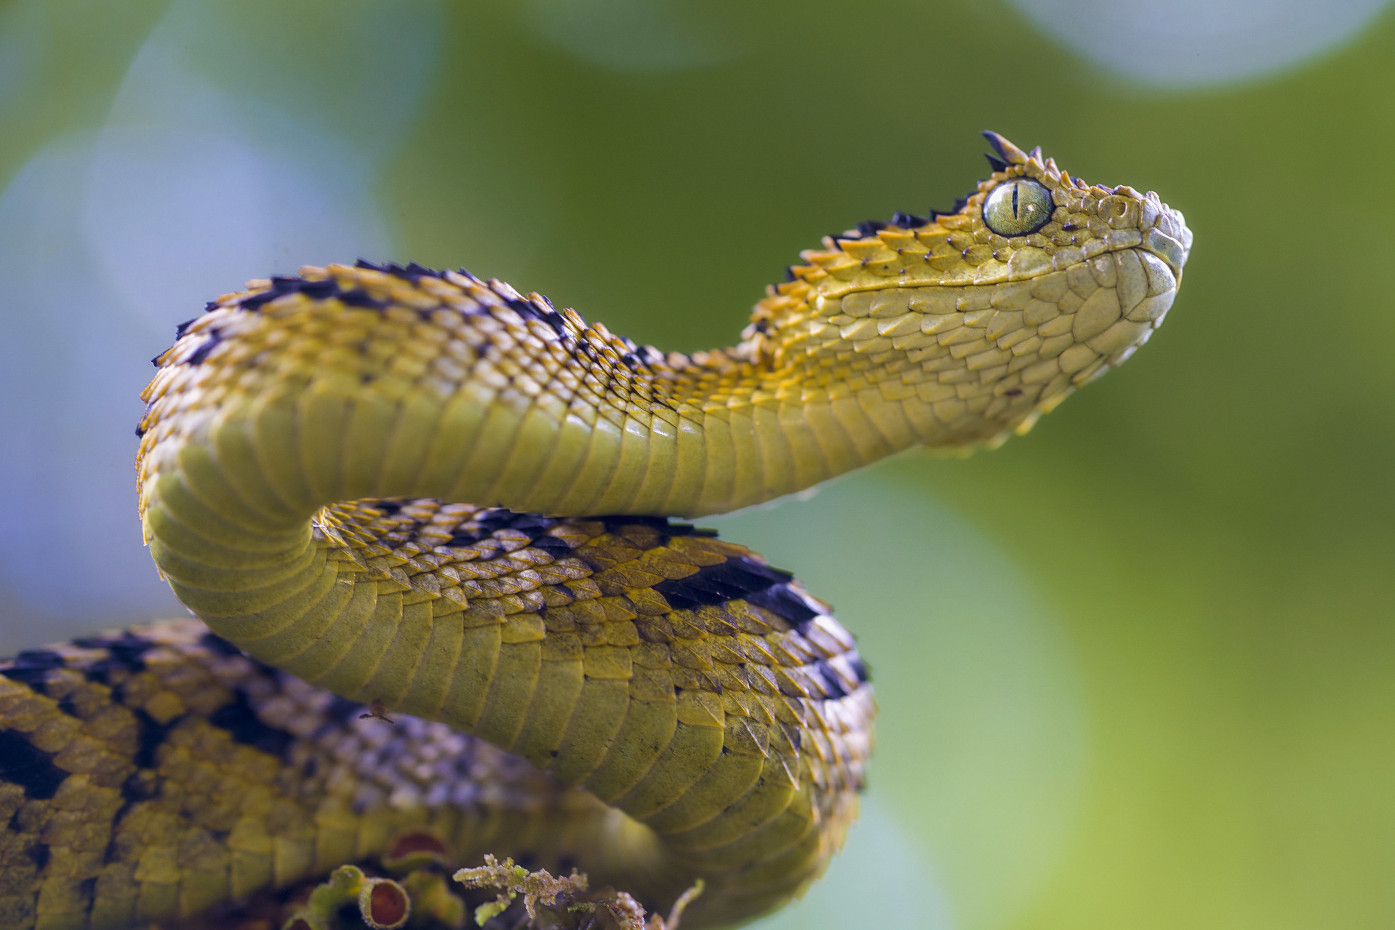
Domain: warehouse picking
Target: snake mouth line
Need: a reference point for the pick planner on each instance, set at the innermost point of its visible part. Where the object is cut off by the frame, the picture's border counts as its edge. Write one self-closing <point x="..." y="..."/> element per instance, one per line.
<point x="1154" y="242"/>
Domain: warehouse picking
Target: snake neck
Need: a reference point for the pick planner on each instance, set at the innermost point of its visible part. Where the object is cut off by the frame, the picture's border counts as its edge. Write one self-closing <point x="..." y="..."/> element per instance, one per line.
<point x="441" y="385"/>
<point x="349" y="383"/>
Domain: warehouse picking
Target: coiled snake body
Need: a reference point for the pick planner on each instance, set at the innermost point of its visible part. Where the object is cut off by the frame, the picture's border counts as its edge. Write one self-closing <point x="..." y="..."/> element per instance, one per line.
<point x="665" y="706"/>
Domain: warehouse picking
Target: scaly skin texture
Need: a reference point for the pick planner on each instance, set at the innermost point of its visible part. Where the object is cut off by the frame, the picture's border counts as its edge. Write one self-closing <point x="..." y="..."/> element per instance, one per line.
<point x="297" y="443"/>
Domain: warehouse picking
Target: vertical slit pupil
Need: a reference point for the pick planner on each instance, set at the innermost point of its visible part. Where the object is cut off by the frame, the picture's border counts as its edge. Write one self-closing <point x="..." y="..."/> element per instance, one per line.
<point x="1016" y="188"/>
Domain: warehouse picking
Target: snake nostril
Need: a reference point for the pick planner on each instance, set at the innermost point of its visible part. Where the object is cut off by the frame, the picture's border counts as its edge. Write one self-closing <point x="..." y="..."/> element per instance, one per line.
<point x="1119" y="211"/>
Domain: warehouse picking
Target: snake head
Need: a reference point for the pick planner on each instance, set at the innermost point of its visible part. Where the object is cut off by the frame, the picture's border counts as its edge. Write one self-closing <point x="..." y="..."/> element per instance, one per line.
<point x="994" y="312"/>
<point x="1040" y="215"/>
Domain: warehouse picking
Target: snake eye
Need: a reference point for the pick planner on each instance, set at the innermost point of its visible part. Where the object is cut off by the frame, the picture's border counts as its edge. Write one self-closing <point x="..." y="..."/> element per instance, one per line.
<point x="1017" y="207"/>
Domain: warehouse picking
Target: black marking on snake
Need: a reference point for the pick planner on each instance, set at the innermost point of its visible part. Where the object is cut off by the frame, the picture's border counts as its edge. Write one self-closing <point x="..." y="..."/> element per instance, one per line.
<point x="99" y="672"/>
<point x="553" y="546"/>
<point x="782" y="601"/>
<point x="357" y="297"/>
<point x="557" y="322"/>
<point x="125" y="653"/>
<point x="127" y="648"/>
<point x="464" y="538"/>
<point x="255" y="301"/>
<point x="183" y="328"/>
<point x="318" y="289"/>
<point x="907" y="220"/>
<point x="388" y="506"/>
<point x="833" y="687"/>
<point x="737" y="577"/>
<point x="38" y="853"/>
<point x="282" y="285"/>
<point x="32" y="668"/>
<point x="69" y="705"/>
<point x="198" y="355"/>
<point x="531" y="523"/>
<point x="245" y="727"/>
<point x="402" y="533"/>
<point x="150" y="734"/>
<point x="487" y="522"/>
<point x="26" y="765"/>
<point x="140" y="427"/>
<point x="315" y="289"/>
<point x="412" y="272"/>
<point x="548" y="314"/>
<point x="140" y="785"/>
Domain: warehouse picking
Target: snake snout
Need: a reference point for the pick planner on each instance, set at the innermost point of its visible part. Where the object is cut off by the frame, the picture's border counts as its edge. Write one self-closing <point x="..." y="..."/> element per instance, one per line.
<point x="1165" y="233"/>
<point x="1162" y="252"/>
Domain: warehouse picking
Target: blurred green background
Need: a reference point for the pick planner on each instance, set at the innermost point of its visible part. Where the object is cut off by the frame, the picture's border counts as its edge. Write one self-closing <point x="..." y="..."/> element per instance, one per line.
<point x="1135" y="668"/>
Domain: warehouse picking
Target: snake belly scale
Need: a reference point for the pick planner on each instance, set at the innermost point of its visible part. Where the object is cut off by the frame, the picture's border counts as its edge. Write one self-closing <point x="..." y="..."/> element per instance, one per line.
<point x="426" y="492"/>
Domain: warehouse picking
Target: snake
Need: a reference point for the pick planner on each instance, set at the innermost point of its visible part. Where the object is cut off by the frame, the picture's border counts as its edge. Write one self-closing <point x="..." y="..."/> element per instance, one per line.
<point x="431" y="530"/>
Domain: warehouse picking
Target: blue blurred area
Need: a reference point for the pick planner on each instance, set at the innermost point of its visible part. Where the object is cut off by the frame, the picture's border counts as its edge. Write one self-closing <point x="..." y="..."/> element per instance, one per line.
<point x="201" y="173"/>
<point x="1135" y="667"/>
<point x="1198" y="44"/>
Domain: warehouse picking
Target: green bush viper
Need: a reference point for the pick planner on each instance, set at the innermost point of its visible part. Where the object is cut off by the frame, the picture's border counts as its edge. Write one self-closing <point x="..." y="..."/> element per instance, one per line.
<point x="568" y="675"/>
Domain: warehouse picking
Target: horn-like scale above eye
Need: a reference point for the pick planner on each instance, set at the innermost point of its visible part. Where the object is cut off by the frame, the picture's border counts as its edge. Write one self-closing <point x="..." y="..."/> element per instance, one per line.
<point x="1017" y="207"/>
